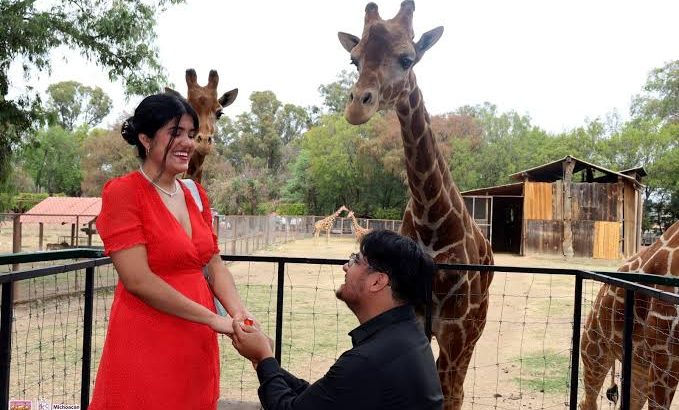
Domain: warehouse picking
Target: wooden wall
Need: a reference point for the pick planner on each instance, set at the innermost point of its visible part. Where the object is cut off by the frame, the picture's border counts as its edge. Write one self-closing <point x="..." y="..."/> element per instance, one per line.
<point x="597" y="211"/>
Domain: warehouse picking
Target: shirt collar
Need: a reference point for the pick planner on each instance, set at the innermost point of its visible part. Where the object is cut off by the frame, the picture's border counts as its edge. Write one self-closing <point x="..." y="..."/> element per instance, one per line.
<point x="379" y="322"/>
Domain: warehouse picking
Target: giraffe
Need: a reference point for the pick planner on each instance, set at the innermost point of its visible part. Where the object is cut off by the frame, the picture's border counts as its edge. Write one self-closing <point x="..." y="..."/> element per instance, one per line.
<point x="327" y="223"/>
<point x="209" y="108"/>
<point x="655" y="337"/>
<point x="435" y="215"/>
<point x="359" y="231"/>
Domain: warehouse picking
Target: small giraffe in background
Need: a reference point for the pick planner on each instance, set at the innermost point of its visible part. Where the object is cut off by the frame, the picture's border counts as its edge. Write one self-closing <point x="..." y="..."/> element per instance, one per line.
<point x="327" y="223"/>
<point x="655" y="363"/>
<point x="359" y="231"/>
<point x="209" y="108"/>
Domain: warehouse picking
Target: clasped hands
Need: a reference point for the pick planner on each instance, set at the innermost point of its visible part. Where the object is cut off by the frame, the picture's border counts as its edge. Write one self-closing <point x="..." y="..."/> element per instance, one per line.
<point x="246" y="336"/>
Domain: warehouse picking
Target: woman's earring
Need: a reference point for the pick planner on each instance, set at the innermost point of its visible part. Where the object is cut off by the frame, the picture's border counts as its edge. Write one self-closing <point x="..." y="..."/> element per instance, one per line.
<point x="148" y="150"/>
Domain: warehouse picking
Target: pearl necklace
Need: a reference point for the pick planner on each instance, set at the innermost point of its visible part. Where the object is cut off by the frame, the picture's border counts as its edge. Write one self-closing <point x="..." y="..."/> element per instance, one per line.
<point x="168" y="193"/>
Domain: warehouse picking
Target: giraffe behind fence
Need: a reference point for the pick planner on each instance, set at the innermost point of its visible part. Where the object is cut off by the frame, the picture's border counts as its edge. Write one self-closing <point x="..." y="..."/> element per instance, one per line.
<point x="327" y="223"/>
<point x="359" y="231"/>
<point x="655" y="337"/>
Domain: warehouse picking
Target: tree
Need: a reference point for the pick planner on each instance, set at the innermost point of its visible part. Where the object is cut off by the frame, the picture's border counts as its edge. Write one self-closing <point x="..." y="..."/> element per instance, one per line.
<point x="105" y="155"/>
<point x="76" y="104"/>
<point x="262" y="132"/>
<point x="116" y="35"/>
<point x="660" y="96"/>
<point x="53" y="161"/>
<point x="336" y="94"/>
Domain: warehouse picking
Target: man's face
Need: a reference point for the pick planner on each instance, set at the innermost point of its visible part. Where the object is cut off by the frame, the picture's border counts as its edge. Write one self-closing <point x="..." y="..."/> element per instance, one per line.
<point x="355" y="283"/>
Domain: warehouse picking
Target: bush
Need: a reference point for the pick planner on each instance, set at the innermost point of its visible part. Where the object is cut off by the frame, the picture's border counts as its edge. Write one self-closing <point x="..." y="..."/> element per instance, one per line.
<point x="27" y="200"/>
<point x="6" y="202"/>
<point x="292" y="209"/>
<point x="388" y="213"/>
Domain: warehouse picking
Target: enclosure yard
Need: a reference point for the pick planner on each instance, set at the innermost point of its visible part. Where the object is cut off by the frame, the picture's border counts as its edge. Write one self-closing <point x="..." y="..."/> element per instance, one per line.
<point x="521" y="361"/>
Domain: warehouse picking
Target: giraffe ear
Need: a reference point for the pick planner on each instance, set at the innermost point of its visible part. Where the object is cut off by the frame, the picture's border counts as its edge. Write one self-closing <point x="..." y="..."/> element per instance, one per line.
<point x="228" y="97"/>
<point x="170" y="91"/>
<point x="427" y="40"/>
<point x="348" y="41"/>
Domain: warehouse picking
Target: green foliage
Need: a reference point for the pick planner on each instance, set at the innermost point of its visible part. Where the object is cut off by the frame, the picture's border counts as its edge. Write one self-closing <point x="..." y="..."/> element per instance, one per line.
<point x="336" y="94"/>
<point x="27" y="200"/>
<point x="105" y="155"/>
<point x="292" y="209"/>
<point x="387" y="213"/>
<point x="118" y="36"/>
<point x="53" y="161"/>
<point x="660" y="97"/>
<point x="75" y="104"/>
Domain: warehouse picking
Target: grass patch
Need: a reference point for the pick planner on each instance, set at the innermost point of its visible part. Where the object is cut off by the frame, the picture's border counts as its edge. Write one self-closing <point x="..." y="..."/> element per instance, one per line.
<point x="544" y="372"/>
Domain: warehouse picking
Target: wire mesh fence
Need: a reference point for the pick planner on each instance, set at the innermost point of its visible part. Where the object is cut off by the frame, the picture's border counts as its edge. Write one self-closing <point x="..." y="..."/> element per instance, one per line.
<point x="236" y="234"/>
<point x="522" y="360"/>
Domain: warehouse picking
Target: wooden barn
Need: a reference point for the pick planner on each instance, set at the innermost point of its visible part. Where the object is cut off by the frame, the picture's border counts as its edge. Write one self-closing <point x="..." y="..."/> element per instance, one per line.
<point x="567" y="207"/>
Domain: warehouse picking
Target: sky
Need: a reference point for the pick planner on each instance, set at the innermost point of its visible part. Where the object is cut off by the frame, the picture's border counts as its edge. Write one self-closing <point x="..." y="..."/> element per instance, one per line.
<point x="559" y="62"/>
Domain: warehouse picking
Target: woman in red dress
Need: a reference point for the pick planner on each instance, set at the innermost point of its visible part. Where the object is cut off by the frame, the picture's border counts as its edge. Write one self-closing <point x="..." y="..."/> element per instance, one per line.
<point x="161" y="348"/>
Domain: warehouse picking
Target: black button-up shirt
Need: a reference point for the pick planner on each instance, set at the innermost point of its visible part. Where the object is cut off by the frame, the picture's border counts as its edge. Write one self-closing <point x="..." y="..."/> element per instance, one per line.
<point x="390" y="366"/>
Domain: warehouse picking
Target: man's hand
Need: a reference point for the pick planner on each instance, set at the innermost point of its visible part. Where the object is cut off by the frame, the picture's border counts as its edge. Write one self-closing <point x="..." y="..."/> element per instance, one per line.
<point x="250" y="342"/>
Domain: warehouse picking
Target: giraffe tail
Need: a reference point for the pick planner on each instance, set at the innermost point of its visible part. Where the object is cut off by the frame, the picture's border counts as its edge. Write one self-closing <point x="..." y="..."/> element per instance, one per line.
<point x="612" y="392"/>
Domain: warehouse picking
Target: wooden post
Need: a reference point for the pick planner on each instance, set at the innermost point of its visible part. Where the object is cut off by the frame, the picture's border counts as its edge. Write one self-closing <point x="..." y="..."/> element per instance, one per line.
<point x="77" y="230"/>
<point x="72" y="235"/>
<point x="16" y="248"/>
<point x="568" y="167"/>
<point x="89" y="234"/>
<point x="235" y="232"/>
<point x="41" y="230"/>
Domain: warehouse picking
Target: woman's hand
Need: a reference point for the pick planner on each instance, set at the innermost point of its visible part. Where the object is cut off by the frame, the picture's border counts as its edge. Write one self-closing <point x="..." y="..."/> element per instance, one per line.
<point x="222" y="324"/>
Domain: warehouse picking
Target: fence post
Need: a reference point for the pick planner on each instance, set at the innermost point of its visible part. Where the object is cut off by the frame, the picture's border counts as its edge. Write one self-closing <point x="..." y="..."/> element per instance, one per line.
<point x="6" y="313"/>
<point x="235" y="233"/>
<point x="16" y="248"/>
<point x="279" y="311"/>
<point x="627" y="350"/>
<point x="575" y="347"/>
<point x="87" y="338"/>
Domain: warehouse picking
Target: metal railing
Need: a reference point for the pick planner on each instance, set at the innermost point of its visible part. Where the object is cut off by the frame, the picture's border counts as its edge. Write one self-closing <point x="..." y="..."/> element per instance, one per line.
<point x="630" y="282"/>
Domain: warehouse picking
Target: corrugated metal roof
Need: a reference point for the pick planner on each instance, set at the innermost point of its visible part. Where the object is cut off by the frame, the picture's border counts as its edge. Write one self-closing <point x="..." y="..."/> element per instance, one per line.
<point x="63" y="210"/>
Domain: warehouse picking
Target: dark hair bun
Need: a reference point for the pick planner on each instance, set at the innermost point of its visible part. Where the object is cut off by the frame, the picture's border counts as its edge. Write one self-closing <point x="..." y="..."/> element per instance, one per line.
<point x="129" y="132"/>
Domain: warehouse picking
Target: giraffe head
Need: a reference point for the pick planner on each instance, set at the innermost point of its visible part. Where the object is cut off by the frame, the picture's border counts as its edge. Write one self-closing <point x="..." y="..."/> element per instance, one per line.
<point x="350" y="214"/>
<point x="208" y="107"/>
<point x="384" y="56"/>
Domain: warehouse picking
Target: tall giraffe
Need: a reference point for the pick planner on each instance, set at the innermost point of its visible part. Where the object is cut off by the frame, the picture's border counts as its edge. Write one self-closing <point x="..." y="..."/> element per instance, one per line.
<point x="655" y="337"/>
<point x="359" y="231"/>
<point x="327" y="223"/>
<point x="209" y="108"/>
<point x="435" y="216"/>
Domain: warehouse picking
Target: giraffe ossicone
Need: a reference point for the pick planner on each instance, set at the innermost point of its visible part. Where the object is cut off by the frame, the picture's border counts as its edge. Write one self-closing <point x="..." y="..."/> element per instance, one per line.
<point x="435" y="216"/>
<point x="204" y="100"/>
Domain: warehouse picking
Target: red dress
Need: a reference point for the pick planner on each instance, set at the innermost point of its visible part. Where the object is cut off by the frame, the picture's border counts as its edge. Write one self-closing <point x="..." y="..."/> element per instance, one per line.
<point x="153" y="360"/>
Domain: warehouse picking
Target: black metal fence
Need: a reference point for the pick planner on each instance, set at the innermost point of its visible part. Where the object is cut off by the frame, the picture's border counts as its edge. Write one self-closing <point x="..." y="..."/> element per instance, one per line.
<point x="89" y="260"/>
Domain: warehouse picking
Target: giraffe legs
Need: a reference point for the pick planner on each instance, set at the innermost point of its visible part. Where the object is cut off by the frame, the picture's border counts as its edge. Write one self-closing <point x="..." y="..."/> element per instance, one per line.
<point x="597" y="360"/>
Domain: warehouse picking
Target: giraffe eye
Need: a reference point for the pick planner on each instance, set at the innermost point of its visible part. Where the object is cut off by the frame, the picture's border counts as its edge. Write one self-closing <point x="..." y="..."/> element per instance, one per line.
<point x="354" y="62"/>
<point x="219" y="113"/>
<point x="406" y="62"/>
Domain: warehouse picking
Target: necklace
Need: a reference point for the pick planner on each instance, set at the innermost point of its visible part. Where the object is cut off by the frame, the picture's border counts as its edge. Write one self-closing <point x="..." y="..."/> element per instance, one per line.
<point x="168" y="193"/>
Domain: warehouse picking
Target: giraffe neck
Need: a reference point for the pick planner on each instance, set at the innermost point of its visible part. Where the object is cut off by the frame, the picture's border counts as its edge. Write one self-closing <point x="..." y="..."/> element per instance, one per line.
<point x="355" y="223"/>
<point x="435" y="200"/>
<point x="195" y="170"/>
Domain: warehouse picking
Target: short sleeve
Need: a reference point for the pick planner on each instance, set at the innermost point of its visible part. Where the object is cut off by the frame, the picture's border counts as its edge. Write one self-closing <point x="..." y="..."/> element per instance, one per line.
<point x="207" y="214"/>
<point x="119" y="223"/>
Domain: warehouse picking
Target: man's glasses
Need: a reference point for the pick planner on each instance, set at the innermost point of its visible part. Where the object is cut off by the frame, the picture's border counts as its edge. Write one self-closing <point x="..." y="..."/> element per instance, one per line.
<point x="353" y="259"/>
